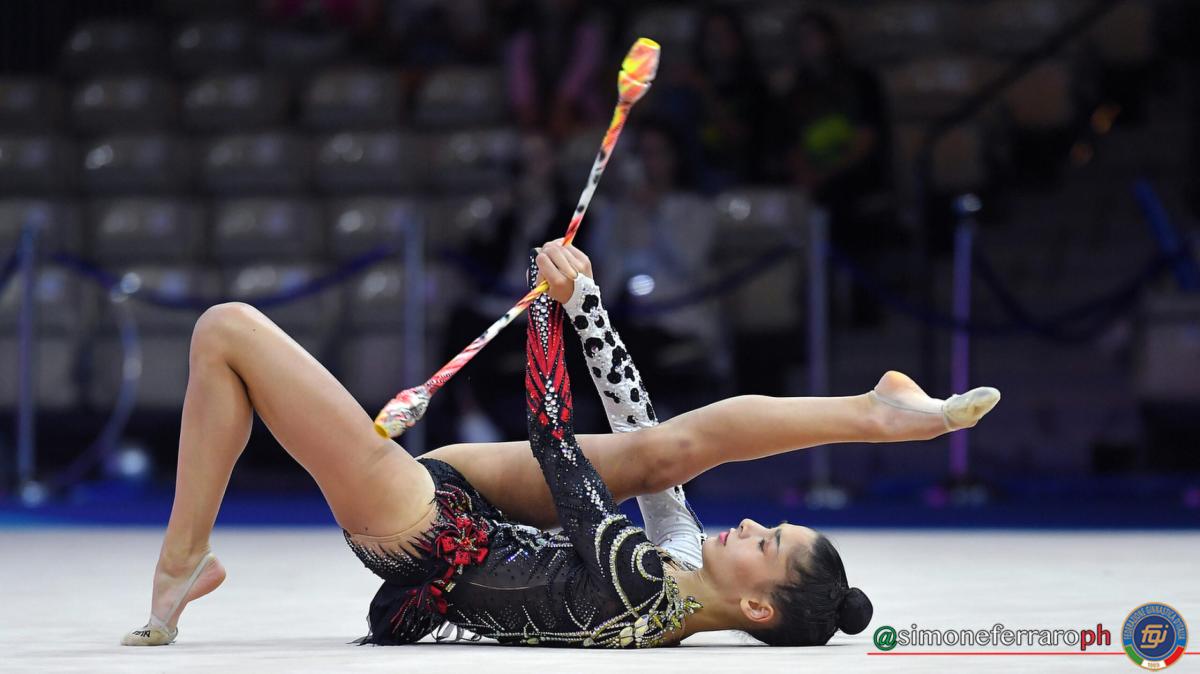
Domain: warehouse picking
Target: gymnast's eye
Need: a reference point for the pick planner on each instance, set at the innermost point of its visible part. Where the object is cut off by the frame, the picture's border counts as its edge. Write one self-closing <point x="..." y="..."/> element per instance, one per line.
<point x="762" y="545"/>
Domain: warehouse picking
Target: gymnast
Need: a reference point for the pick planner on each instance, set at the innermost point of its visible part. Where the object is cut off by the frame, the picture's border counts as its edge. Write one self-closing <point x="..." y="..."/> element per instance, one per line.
<point x="461" y="536"/>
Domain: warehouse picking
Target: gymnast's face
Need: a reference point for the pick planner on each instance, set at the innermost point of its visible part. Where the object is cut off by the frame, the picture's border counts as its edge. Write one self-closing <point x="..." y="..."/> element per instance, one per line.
<point x="748" y="561"/>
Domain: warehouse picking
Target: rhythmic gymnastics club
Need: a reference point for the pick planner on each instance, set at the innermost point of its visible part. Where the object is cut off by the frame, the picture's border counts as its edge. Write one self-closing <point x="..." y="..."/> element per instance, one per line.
<point x="637" y="73"/>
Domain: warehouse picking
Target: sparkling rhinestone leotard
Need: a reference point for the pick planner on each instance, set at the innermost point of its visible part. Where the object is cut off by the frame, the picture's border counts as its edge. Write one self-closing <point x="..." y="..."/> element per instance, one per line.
<point x="600" y="582"/>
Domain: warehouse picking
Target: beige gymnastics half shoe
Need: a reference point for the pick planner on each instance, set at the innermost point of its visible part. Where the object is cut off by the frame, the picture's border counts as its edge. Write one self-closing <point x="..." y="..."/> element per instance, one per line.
<point x="961" y="410"/>
<point x="157" y="632"/>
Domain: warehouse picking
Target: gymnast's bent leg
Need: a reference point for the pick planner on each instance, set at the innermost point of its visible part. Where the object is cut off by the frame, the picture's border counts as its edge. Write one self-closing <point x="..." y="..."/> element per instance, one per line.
<point x="241" y="363"/>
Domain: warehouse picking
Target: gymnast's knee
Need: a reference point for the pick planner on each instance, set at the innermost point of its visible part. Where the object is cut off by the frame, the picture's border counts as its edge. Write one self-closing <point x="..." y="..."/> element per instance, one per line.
<point x="668" y="461"/>
<point x="220" y="326"/>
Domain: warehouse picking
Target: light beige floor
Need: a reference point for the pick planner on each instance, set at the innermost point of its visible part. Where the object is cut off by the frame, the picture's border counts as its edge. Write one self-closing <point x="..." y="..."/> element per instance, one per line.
<point x="295" y="597"/>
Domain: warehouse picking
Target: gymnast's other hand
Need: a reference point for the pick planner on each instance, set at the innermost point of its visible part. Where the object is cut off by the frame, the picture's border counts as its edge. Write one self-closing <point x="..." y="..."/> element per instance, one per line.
<point x="559" y="265"/>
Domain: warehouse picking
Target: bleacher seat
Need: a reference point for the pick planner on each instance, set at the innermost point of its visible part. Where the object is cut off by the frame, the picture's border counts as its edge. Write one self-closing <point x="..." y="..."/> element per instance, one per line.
<point x="130" y="102"/>
<point x="60" y="230"/>
<point x="959" y="159"/>
<point x="347" y="98"/>
<point x="272" y="161"/>
<point x="1125" y="36"/>
<point x="213" y="9"/>
<point x="263" y="229"/>
<point x="926" y="89"/>
<point x="771" y="33"/>
<point x="883" y="32"/>
<point x="462" y="97"/>
<point x="169" y="282"/>
<point x="146" y="229"/>
<point x="371" y="366"/>
<point x="577" y="154"/>
<point x="750" y="224"/>
<point x="240" y="102"/>
<point x="370" y="161"/>
<point x="108" y="46"/>
<point x="474" y="160"/>
<point x="136" y="163"/>
<point x="164" y="361"/>
<point x="1044" y="98"/>
<point x="377" y="297"/>
<point x="298" y="52"/>
<point x="57" y="293"/>
<point x="208" y="46"/>
<point x="310" y="315"/>
<point x="35" y="164"/>
<point x="674" y="27"/>
<point x="54" y="371"/>
<point x="451" y="222"/>
<point x="362" y="224"/>
<point x="1009" y="28"/>
<point x="29" y="104"/>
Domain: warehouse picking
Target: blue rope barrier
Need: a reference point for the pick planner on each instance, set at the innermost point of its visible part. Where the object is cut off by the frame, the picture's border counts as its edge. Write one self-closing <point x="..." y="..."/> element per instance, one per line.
<point x="1102" y="310"/>
<point x="108" y="280"/>
<point x="10" y="266"/>
<point x="1095" y="314"/>
<point x="1173" y="246"/>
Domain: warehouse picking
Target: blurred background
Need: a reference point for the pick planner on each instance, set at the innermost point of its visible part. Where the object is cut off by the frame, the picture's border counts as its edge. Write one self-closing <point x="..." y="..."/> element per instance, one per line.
<point x="975" y="192"/>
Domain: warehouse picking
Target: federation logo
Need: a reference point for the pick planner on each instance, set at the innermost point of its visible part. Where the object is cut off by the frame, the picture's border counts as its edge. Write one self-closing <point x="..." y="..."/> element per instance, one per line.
<point x="1154" y="636"/>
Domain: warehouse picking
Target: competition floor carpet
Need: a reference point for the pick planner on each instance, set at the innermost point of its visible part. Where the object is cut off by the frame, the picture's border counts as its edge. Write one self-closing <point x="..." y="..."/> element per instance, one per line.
<point x="295" y="597"/>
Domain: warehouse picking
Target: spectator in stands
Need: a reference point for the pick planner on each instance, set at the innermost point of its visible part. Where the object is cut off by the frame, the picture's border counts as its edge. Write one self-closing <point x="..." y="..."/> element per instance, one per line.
<point x="310" y="33"/>
<point x="552" y="61"/>
<point x="657" y="247"/>
<point x="732" y="94"/>
<point x="432" y="34"/>
<point x="834" y="128"/>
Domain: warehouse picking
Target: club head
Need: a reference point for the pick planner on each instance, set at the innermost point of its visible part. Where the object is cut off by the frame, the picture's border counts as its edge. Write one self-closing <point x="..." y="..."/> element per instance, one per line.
<point x="638" y="70"/>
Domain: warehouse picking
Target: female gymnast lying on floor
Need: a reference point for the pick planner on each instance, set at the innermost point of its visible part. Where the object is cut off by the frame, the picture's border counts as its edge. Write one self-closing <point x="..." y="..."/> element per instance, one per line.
<point x="459" y="535"/>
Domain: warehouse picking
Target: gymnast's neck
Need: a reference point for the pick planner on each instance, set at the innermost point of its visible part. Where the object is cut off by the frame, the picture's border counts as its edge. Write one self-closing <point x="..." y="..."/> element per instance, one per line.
<point x="719" y="611"/>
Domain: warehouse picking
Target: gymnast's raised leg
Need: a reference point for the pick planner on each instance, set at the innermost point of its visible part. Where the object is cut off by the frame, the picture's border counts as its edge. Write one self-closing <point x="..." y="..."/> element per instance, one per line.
<point x="241" y="363"/>
<point x="736" y="429"/>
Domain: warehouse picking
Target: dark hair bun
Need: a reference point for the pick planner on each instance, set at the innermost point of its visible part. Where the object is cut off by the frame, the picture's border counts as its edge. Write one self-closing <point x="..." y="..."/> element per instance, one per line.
<point x="855" y="613"/>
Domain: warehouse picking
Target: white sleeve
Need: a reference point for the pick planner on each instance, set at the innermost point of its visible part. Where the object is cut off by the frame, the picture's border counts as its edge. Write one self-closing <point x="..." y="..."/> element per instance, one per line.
<point x="670" y="522"/>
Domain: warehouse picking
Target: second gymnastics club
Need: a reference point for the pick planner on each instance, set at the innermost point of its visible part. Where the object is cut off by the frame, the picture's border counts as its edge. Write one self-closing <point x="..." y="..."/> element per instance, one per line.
<point x="637" y="73"/>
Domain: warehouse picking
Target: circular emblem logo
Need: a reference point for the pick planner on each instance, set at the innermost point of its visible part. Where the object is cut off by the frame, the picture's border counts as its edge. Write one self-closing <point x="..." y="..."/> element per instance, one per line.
<point x="1154" y="636"/>
<point x="885" y="638"/>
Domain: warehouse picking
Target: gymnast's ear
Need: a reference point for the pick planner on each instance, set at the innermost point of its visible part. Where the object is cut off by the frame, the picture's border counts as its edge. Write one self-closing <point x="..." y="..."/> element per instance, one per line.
<point x="757" y="611"/>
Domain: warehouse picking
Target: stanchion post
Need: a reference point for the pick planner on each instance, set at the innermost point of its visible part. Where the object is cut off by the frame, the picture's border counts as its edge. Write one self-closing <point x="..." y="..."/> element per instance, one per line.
<point x="965" y="207"/>
<point x="822" y="492"/>
<point x="30" y="491"/>
<point x="818" y="328"/>
<point x="414" y="318"/>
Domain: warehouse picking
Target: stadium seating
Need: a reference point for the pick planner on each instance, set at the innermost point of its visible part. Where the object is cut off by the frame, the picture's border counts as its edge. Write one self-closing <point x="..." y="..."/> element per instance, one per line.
<point x="352" y="98"/>
<point x="129" y="102"/>
<point x="136" y="164"/>
<point x="146" y="229"/>
<point x="235" y="102"/>
<point x="29" y="104"/>
<point x="247" y="230"/>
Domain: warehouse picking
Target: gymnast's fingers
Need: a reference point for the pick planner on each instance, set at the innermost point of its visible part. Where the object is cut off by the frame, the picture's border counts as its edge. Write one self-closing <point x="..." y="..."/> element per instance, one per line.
<point x="580" y="261"/>
<point x="562" y="260"/>
<point x="560" y="286"/>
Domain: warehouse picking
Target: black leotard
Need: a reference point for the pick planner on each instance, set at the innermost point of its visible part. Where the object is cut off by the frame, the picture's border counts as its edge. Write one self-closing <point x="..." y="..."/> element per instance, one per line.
<point x="600" y="582"/>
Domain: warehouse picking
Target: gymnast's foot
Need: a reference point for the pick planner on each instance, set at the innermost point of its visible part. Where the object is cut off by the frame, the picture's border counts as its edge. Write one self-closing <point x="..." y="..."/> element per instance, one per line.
<point x="907" y="413"/>
<point x="177" y="581"/>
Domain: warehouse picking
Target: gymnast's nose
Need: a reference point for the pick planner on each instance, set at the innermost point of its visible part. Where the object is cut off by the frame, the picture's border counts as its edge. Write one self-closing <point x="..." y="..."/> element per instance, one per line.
<point x="747" y="527"/>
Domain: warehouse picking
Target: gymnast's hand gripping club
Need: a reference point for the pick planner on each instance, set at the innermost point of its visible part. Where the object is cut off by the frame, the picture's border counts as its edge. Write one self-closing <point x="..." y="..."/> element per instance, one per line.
<point x="637" y="73"/>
